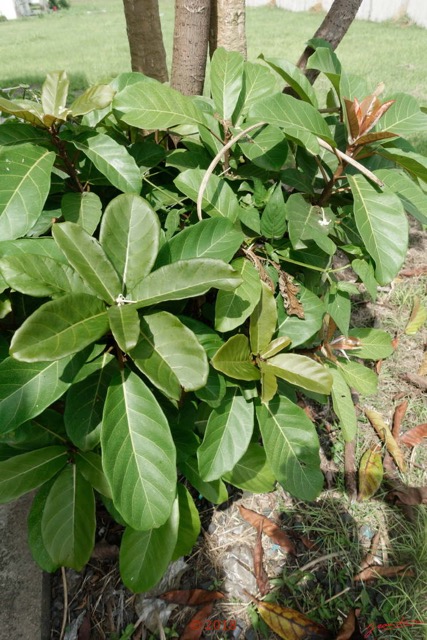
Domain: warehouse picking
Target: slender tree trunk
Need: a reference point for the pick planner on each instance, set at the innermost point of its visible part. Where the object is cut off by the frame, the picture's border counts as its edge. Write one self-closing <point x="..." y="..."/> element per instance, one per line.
<point x="228" y="26"/>
<point x="333" y="29"/>
<point x="190" y="45"/>
<point x="145" y="38"/>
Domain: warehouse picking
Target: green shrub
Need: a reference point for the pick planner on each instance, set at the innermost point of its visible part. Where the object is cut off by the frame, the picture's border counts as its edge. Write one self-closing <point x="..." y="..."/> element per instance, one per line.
<point x="170" y="286"/>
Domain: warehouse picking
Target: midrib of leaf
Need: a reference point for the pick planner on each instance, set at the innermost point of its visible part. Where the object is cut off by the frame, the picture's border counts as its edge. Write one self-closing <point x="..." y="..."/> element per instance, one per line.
<point x="153" y="346"/>
<point x="24" y="177"/>
<point x="20" y="390"/>
<point x="72" y="326"/>
<point x="368" y="220"/>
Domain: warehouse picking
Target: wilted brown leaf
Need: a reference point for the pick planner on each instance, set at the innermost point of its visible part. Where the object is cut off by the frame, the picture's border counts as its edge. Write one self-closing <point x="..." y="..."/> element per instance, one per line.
<point x="345" y="344"/>
<point x="399" y="414"/>
<point x="269" y="528"/>
<point x="373" y="573"/>
<point x="289" y="291"/>
<point x="195" y="626"/>
<point x="383" y="430"/>
<point x="369" y="559"/>
<point x="309" y="544"/>
<point x="422" y="371"/>
<point x="410" y="273"/>
<point x="85" y="629"/>
<point x="410" y="496"/>
<point x="350" y="629"/>
<point x="416" y="380"/>
<point x="191" y="597"/>
<point x="105" y="551"/>
<point x="290" y="624"/>
<point x="370" y="473"/>
<point x="261" y="576"/>
<point x="415" y="435"/>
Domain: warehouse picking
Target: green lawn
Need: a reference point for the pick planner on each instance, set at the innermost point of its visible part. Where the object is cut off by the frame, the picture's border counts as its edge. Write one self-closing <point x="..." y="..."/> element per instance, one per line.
<point x="89" y="42"/>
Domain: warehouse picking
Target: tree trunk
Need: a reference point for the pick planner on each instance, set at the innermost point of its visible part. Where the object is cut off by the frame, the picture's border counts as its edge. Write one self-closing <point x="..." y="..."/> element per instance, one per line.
<point x="333" y="29"/>
<point x="190" y="45"/>
<point x="228" y="26"/>
<point x="145" y="38"/>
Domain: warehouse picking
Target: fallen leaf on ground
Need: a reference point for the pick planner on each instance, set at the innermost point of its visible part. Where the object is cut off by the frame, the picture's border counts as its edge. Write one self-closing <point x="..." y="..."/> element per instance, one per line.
<point x="410" y="496"/>
<point x="261" y="576"/>
<point x="416" y="380"/>
<point x="269" y="528"/>
<point x="370" y="473"/>
<point x="290" y="624"/>
<point x="104" y="551"/>
<point x="350" y="629"/>
<point x="191" y="597"/>
<point x="409" y="273"/>
<point x="309" y="544"/>
<point x="399" y="414"/>
<point x="373" y="573"/>
<point x="383" y="430"/>
<point x="395" y="343"/>
<point x="85" y="629"/>
<point x="417" y="318"/>
<point x="195" y="626"/>
<point x="369" y="559"/>
<point x="415" y="435"/>
<point x="422" y="371"/>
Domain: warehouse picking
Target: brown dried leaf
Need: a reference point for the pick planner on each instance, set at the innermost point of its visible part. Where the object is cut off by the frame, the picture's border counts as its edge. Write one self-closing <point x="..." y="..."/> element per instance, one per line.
<point x="269" y="528"/>
<point x="289" y="291"/>
<point x="260" y="573"/>
<point x="370" y="473"/>
<point x="290" y="624"/>
<point x="85" y="629"/>
<point x="410" y="496"/>
<point x="104" y="551"/>
<point x="309" y="544"/>
<point x="417" y="318"/>
<point x="191" y="597"/>
<point x="422" y="371"/>
<point x="369" y="559"/>
<point x="409" y="273"/>
<point x="416" y="380"/>
<point x="195" y="626"/>
<point x="386" y="436"/>
<point x="415" y="435"/>
<point x="350" y="629"/>
<point x="373" y="573"/>
<point x="399" y="414"/>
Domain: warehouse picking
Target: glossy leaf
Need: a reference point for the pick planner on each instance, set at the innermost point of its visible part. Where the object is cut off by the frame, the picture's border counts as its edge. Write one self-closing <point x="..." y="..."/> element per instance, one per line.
<point x="169" y="354"/>
<point x="290" y="624"/>
<point x="24" y="186"/>
<point x="273" y="219"/>
<point x="189" y="524"/>
<point x="414" y="163"/>
<point x="185" y="279"/>
<point x="35" y="539"/>
<point x="130" y="234"/>
<point x="417" y="318"/>
<point x="233" y="307"/>
<point x="370" y="473"/>
<point x="87" y="257"/>
<point x="84" y="209"/>
<point x="258" y="82"/>
<point x="207" y="337"/>
<point x="226" y="80"/>
<point x="124" y="325"/>
<point x="301" y="371"/>
<point x="275" y="346"/>
<point x="263" y="320"/>
<point x="218" y="199"/>
<point x="214" y="491"/>
<point x="54" y="95"/>
<point x="343" y="405"/>
<point x="404" y="117"/>
<point x="227" y="436"/>
<point x="234" y="359"/>
<point x="266" y="147"/>
<point x="45" y="430"/>
<point x="214" y="390"/>
<point x="292" y="447"/>
<point x="413" y="198"/>
<point x="28" y="110"/>
<point x="269" y="384"/>
<point x="15" y="133"/>
<point x="359" y="377"/>
<point x="306" y="222"/>
<point x="382" y="225"/>
<point x="252" y="471"/>
<point x="99" y="96"/>
<point x="68" y="520"/>
<point x="89" y="464"/>
<point x="112" y="160"/>
<point x="365" y="271"/>
<point x="294" y="77"/>
<point x="138" y="453"/>
<point x="325" y="60"/>
<point x="374" y="344"/>
<point x="27" y="471"/>
<point x="60" y="328"/>
<point x="34" y="246"/>
<point x="338" y="306"/>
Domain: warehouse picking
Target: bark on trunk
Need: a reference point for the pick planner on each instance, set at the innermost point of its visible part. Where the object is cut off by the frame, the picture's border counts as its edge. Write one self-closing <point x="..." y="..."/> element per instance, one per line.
<point x="228" y="26"/>
<point x="145" y="38"/>
<point x="333" y="29"/>
<point x="190" y="45"/>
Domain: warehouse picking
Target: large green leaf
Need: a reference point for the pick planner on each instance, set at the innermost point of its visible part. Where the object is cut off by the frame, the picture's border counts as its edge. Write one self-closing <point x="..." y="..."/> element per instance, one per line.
<point x="60" y="328"/>
<point x="35" y="539"/>
<point x="235" y="360"/>
<point x="29" y="470"/>
<point x="258" y="82"/>
<point x="130" y="233"/>
<point x="40" y="276"/>
<point x="208" y="338"/>
<point x="383" y="227"/>
<point x="358" y="377"/>
<point x="299" y="120"/>
<point x="24" y="186"/>
<point x="227" y="436"/>
<point x="374" y="343"/>
<point x="266" y="147"/>
<point x="214" y="390"/>
<point x="138" y="453"/>
<point x="84" y="209"/>
<point x="414" y="163"/>
<point x="68" y="520"/>
<point x="89" y="464"/>
<point x="86" y="255"/>
<point x="233" y="307"/>
<point x="263" y="320"/>
<point x="156" y="106"/>
<point x="365" y="271"/>
<point x="292" y="447"/>
<point x="294" y="77"/>
<point x="338" y="306"/>
<point x="185" y="279"/>
<point x="27" y="110"/>
<point x="343" y="405"/>
<point x="218" y="199"/>
<point x="45" y="430"/>
<point x="404" y="117"/>
<point x="54" y="95"/>
<point x="413" y="198"/>
<point x="252" y="472"/>
<point x="299" y="330"/>
<point x="273" y="219"/>
<point x="189" y="523"/>
<point x="301" y="371"/>
<point x="14" y="133"/>
<point x="27" y="389"/>
<point x="325" y="60"/>
<point x="35" y="246"/>
<point x="98" y="96"/>
<point x="214" y="238"/>
<point x="307" y="222"/>
<point x="226" y="76"/>
<point x="169" y="354"/>
<point x="214" y="491"/>
<point x="124" y="325"/>
<point x="145" y="555"/>
<point x="111" y="159"/>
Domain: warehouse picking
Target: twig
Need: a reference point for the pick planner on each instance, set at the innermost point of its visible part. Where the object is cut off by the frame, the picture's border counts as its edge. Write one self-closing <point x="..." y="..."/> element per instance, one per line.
<point x="352" y="161"/>
<point x="64" y="615"/>
<point x="337" y="595"/>
<point x="317" y="561"/>
<point x="215" y="161"/>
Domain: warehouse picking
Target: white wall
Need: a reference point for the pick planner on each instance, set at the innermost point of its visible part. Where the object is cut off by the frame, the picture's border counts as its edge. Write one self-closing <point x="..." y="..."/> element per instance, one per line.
<point x="7" y="9"/>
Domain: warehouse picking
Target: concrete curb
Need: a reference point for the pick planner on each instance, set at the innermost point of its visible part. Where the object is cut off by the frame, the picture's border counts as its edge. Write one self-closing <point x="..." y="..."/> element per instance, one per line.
<point x="24" y="588"/>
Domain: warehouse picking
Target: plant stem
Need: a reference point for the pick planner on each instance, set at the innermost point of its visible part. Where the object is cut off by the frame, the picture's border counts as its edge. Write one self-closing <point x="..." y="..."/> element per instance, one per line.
<point x="62" y="152"/>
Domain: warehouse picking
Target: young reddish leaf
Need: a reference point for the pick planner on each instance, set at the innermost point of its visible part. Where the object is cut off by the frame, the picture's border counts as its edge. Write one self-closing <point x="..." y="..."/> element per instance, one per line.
<point x="386" y="436"/>
<point x="191" y="597"/>
<point x="269" y="528"/>
<point x="368" y="106"/>
<point x="417" y="318"/>
<point x="371" y="119"/>
<point x="374" y="137"/>
<point x="373" y="573"/>
<point x="350" y="629"/>
<point x="399" y="414"/>
<point x="352" y="119"/>
<point x="415" y="435"/>
<point x="290" y="624"/>
<point x="195" y="627"/>
<point x="261" y="576"/>
<point x="370" y="473"/>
